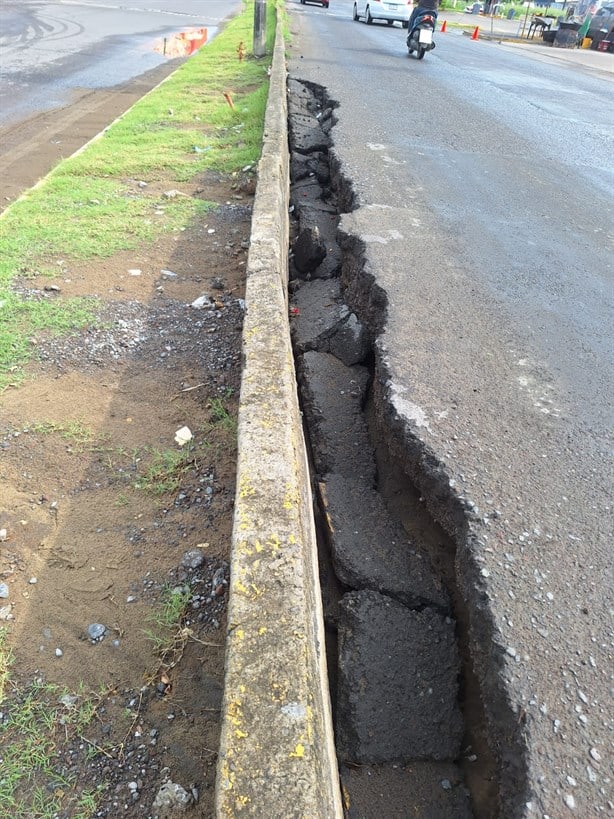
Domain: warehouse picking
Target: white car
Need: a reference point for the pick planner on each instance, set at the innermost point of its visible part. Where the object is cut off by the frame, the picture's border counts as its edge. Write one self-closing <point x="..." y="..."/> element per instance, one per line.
<point x="370" y="10"/>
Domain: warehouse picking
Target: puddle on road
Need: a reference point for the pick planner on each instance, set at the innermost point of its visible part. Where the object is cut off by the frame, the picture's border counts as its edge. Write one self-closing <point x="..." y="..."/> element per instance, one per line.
<point x="182" y="44"/>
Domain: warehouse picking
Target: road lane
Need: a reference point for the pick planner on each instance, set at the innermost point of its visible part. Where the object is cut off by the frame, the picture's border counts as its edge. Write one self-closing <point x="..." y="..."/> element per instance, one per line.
<point x="484" y="184"/>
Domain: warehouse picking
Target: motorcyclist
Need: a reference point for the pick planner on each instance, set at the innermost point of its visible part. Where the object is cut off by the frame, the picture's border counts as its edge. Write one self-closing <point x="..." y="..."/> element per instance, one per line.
<point x="423" y="5"/>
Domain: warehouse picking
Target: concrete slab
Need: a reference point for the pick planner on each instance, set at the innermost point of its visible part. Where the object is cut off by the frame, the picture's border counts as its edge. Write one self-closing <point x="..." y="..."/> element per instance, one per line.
<point x="398" y="682"/>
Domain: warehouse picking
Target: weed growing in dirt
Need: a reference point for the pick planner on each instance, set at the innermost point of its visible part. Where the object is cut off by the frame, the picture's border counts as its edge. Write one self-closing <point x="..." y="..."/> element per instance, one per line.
<point x="20" y="318"/>
<point x="73" y="431"/>
<point x="6" y="661"/>
<point x="222" y="418"/>
<point x="165" y="470"/>
<point x="166" y="619"/>
<point x="34" y="728"/>
<point x="209" y="115"/>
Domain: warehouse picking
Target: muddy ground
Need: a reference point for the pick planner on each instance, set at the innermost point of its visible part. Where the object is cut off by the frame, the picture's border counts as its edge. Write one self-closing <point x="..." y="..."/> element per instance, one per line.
<point x="98" y="517"/>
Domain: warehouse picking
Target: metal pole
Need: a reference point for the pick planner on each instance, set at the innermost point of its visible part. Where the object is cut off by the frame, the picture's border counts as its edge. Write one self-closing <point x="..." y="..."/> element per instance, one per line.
<point x="259" y="28"/>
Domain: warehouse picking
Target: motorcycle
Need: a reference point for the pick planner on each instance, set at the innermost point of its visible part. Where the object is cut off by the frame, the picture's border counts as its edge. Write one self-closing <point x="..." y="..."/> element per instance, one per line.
<point x="420" y="37"/>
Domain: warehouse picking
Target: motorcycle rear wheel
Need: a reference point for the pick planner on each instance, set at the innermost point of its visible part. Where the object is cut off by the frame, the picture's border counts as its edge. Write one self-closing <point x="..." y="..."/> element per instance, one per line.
<point x="421" y="53"/>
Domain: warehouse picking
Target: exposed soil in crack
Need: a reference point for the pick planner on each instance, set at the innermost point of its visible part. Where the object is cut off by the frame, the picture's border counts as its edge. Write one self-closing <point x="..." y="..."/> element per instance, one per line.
<point x="104" y="515"/>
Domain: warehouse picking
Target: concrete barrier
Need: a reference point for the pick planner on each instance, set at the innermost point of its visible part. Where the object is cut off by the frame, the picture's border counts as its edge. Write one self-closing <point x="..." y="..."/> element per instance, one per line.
<point x="277" y="756"/>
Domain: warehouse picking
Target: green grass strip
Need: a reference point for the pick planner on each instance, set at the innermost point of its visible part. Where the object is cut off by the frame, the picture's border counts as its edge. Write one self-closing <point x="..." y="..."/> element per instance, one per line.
<point x="91" y="205"/>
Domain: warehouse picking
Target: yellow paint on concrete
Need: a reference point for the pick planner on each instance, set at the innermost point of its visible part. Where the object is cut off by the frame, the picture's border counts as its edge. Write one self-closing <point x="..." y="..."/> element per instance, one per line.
<point x="240" y="734"/>
<point x="274" y="543"/>
<point x="241" y="588"/>
<point x="262" y="630"/>
<point x="309" y="722"/>
<point x="278" y="692"/>
<point x="298" y="752"/>
<point x="239" y="633"/>
<point x="234" y="713"/>
<point x="246" y="489"/>
<point x="292" y="498"/>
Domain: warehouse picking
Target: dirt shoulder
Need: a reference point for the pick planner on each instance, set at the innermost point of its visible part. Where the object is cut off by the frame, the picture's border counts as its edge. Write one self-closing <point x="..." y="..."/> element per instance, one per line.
<point x="105" y="516"/>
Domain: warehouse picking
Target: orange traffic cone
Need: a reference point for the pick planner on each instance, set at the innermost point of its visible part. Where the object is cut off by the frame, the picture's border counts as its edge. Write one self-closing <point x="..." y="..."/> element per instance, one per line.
<point x="444" y="26"/>
<point x="476" y="32"/>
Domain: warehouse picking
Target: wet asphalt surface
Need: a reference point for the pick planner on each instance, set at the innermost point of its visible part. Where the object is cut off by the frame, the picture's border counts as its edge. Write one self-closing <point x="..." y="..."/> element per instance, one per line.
<point x="483" y="181"/>
<point x="47" y="50"/>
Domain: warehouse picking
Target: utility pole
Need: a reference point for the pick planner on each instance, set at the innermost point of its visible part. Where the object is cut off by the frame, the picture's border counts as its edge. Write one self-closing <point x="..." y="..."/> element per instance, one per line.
<point x="259" y="28"/>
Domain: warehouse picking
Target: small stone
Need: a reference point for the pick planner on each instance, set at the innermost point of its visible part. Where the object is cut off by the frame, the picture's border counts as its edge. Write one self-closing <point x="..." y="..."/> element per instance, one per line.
<point x="59" y="652"/>
<point x="446" y="784"/>
<point x="3" y="535"/>
<point x="595" y="754"/>
<point x="511" y="651"/>
<point x="172" y="799"/>
<point x="6" y="612"/>
<point x="33" y="581"/>
<point x="569" y="801"/>
<point x="168" y="274"/>
<point x="133" y="786"/>
<point x="193" y="559"/>
<point x="4" y="591"/>
<point x="134" y="271"/>
<point x="96" y="632"/>
<point x="202" y="302"/>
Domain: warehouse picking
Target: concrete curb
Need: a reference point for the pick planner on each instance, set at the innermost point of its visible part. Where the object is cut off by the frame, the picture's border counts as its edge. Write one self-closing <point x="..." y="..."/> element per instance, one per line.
<point x="277" y="754"/>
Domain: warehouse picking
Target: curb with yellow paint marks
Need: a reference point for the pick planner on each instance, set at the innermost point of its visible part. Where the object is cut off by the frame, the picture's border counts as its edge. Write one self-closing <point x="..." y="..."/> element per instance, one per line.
<point x="277" y="756"/>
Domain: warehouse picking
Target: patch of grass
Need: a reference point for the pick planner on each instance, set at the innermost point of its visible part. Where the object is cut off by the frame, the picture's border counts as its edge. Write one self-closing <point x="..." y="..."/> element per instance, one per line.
<point x="37" y="723"/>
<point x="221" y="417"/>
<point x="165" y="469"/>
<point x="70" y="430"/>
<point x="21" y="318"/>
<point x="6" y="661"/>
<point x="90" y="206"/>
<point x="87" y="803"/>
<point x="165" y="633"/>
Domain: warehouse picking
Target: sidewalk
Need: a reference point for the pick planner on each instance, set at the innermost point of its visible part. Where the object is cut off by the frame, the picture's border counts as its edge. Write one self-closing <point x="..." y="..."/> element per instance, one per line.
<point x="514" y="32"/>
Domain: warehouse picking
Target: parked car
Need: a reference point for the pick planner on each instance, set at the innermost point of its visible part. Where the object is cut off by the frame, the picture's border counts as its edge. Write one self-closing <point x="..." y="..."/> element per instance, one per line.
<point x="601" y="23"/>
<point x="323" y="3"/>
<point x="398" y="11"/>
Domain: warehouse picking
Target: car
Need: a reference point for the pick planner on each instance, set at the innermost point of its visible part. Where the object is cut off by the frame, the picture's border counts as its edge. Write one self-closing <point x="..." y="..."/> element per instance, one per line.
<point x="397" y="11"/>
<point x="601" y="22"/>
<point x="323" y="3"/>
